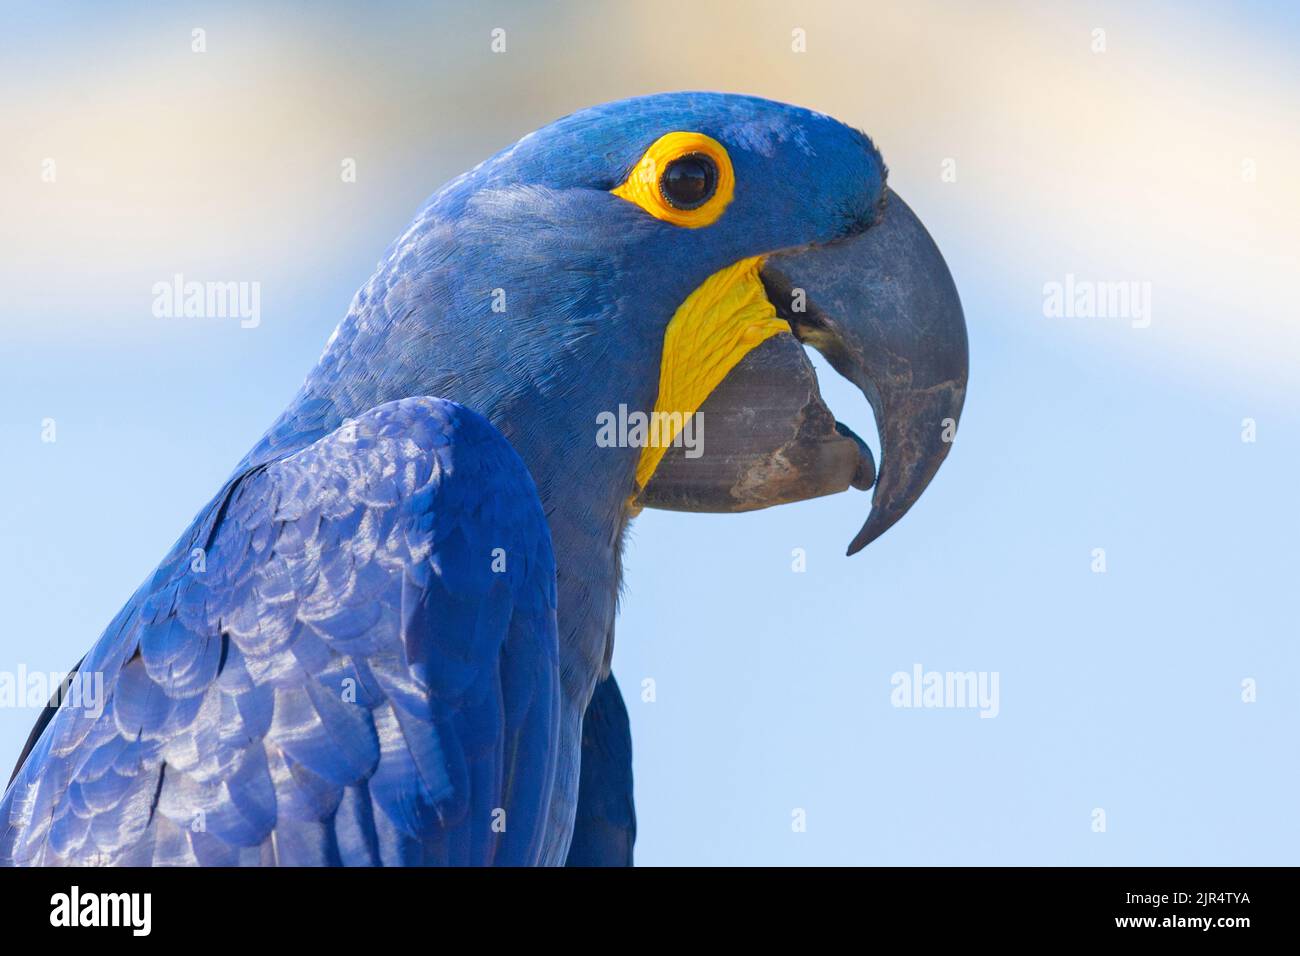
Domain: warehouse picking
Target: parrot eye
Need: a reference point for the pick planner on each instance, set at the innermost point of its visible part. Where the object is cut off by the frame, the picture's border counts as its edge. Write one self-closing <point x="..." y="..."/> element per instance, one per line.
<point x="683" y="178"/>
<point x="689" y="182"/>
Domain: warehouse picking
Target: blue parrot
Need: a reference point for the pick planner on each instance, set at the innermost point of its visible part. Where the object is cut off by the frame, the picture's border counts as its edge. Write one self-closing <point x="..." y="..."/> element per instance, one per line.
<point x="386" y="640"/>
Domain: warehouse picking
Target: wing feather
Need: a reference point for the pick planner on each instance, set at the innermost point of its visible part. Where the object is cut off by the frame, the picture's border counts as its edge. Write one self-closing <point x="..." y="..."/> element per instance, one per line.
<point x="345" y="677"/>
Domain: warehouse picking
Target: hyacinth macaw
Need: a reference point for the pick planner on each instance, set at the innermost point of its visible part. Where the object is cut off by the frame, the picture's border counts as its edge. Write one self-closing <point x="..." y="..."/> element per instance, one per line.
<point x="386" y="639"/>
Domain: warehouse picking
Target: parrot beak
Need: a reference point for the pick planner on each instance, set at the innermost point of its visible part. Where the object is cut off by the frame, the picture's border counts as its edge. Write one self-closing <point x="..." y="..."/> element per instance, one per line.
<point x="883" y="310"/>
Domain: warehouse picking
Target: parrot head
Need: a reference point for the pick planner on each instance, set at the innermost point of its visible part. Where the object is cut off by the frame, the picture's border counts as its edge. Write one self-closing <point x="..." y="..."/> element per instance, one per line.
<point x="627" y="294"/>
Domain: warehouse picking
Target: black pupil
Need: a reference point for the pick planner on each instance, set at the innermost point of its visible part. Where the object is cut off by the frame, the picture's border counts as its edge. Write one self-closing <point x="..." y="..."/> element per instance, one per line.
<point x="689" y="181"/>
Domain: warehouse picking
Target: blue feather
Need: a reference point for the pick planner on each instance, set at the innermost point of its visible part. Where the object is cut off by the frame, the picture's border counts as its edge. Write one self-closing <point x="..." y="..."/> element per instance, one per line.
<point x="287" y="690"/>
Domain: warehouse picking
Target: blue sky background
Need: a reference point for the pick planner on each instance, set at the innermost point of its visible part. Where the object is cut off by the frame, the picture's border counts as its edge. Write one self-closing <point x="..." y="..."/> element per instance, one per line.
<point x="1119" y="691"/>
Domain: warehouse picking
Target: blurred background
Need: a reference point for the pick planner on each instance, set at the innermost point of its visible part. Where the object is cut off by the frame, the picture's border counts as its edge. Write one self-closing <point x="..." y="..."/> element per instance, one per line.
<point x="1157" y="145"/>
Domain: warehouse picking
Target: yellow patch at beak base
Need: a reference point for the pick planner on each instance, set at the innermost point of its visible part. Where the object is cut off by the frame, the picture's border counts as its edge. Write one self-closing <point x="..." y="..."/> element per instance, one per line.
<point x="718" y="325"/>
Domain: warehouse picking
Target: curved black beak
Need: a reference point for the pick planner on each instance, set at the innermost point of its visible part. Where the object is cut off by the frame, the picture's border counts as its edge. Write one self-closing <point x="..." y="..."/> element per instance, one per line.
<point x="882" y="308"/>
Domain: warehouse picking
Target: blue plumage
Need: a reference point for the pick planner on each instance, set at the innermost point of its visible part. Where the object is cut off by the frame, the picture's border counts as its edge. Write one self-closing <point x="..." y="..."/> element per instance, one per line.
<point x="605" y="829"/>
<point x="339" y="699"/>
<point x="349" y="680"/>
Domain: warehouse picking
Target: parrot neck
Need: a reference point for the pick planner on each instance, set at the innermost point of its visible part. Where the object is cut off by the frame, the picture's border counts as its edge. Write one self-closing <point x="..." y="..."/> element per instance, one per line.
<point x="584" y="497"/>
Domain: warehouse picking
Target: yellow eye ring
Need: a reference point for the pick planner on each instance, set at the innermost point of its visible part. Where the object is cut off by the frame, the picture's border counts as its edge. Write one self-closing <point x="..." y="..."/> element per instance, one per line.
<point x="644" y="184"/>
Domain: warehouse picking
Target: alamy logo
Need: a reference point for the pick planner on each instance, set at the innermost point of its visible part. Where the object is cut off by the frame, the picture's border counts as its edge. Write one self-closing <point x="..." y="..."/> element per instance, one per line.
<point x="626" y="429"/>
<point x="1087" y="299"/>
<point x="946" y="690"/>
<point x="102" y="909"/>
<point x="179" y="299"/>
<point x="83" y="690"/>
